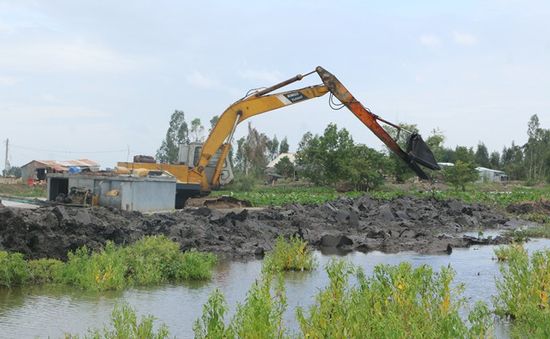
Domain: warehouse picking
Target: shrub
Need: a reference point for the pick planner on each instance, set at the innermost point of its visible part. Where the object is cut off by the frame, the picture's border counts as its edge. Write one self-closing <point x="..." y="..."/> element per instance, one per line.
<point x="505" y="253"/>
<point x="13" y="269"/>
<point x="260" y="316"/>
<point x="523" y="293"/>
<point x="290" y="255"/>
<point x="125" y="325"/>
<point x="396" y="302"/>
<point x="44" y="271"/>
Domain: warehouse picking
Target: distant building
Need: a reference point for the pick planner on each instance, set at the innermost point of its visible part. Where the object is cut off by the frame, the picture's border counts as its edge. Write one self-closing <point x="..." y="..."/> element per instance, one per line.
<point x="37" y="169"/>
<point x="271" y="172"/>
<point x="290" y="156"/>
<point x="487" y="174"/>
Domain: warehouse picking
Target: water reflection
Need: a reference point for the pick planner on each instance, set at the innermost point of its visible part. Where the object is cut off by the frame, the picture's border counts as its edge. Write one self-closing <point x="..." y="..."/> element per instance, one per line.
<point x="53" y="311"/>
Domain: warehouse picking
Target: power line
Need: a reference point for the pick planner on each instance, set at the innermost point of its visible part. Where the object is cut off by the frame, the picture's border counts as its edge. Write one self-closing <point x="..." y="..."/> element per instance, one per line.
<point x="65" y="151"/>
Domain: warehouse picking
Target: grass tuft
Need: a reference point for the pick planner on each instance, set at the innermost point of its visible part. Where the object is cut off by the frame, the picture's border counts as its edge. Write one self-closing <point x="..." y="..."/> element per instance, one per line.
<point x="290" y="255"/>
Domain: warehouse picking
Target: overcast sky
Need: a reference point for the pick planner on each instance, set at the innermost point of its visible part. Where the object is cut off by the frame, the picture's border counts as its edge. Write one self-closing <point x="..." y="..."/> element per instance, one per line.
<point x="98" y="76"/>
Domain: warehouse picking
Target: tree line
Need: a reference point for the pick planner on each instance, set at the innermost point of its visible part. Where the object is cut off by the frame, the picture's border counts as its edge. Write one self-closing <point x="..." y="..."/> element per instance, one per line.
<point x="334" y="158"/>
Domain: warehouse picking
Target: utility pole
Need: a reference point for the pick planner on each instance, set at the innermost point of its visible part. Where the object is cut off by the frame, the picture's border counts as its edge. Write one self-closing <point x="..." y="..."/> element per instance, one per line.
<point x="6" y="163"/>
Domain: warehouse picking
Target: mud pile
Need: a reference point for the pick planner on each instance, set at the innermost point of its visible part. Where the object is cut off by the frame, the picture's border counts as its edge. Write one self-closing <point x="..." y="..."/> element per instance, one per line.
<point x="365" y="224"/>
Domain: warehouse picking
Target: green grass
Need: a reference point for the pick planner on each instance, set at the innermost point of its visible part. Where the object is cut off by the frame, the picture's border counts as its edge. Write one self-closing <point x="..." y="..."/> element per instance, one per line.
<point x="125" y="325"/>
<point x="497" y="195"/>
<point x="22" y="190"/>
<point x="149" y="261"/>
<point x="523" y="293"/>
<point x="290" y="255"/>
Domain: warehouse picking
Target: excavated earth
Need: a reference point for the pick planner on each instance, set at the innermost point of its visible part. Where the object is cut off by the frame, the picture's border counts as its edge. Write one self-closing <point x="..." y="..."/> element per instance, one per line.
<point x="363" y="224"/>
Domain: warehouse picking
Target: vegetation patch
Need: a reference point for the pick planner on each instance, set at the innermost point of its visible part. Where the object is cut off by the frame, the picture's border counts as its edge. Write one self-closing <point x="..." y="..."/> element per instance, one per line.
<point x="523" y="293"/>
<point x="125" y="324"/>
<point x="290" y="255"/>
<point x="22" y="190"/>
<point x="396" y="302"/>
<point x="151" y="260"/>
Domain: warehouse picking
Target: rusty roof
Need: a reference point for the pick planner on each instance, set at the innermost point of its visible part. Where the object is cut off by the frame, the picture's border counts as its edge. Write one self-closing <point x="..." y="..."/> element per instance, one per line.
<point x="64" y="165"/>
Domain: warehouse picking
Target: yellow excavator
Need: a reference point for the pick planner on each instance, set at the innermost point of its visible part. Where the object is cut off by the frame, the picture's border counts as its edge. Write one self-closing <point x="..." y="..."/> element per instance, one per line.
<point x="204" y="167"/>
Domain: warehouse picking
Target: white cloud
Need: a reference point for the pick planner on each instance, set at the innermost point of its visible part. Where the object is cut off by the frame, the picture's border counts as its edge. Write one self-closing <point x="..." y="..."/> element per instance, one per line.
<point x="265" y="77"/>
<point x="464" y="39"/>
<point x="202" y="81"/>
<point x="64" y="56"/>
<point x="429" y="40"/>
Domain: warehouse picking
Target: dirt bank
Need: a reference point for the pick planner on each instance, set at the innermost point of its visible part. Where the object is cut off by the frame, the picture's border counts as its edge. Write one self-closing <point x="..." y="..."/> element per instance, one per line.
<point x="365" y="224"/>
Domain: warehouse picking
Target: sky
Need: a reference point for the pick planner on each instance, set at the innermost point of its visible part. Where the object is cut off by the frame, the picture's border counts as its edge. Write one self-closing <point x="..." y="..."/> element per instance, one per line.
<point x="100" y="79"/>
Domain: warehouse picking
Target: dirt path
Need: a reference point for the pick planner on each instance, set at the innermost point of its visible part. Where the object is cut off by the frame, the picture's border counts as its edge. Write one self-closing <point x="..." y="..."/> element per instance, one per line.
<point x="364" y="224"/>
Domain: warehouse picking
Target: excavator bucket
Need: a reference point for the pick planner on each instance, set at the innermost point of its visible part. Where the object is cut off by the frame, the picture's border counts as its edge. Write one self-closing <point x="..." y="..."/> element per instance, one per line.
<point x="419" y="152"/>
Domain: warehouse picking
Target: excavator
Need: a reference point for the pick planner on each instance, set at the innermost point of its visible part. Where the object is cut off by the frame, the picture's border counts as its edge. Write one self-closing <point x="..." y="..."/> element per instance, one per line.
<point x="204" y="167"/>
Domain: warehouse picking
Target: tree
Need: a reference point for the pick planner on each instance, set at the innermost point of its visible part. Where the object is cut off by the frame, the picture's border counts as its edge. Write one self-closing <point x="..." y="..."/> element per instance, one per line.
<point x="512" y="162"/>
<point x="366" y="168"/>
<point x="176" y="134"/>
<point x="400" y="170"/>
<point x="460" y="174"/>
<point x="435" y="142"/>
<point x="333" y="158"/>
<point x="465" y="154"/>
<point x="482" y="155"/>
<point x="13" y="171"/>
<point x="285" y="167"/>
<point x="494" y="160"/>
<point x="251" y="157"/>
<point x="197" y="130"/>
<point x="272" y="148"/>
<point x="283" y="146"/>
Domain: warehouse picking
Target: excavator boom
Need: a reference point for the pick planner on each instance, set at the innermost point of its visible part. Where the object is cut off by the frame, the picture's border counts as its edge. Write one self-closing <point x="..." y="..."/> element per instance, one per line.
<point x="371" y="121"/>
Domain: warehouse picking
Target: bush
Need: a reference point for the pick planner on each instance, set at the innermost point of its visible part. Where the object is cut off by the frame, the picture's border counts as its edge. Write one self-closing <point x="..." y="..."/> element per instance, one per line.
<point x="151" y="260"/>
<point x="396" y="302"/>
<point x="523" y="293"/>
<point x="125" y="325"/>
<point x="44" y="271"/>
<point x="290" y="255"/>
<point x="13" y="269"/>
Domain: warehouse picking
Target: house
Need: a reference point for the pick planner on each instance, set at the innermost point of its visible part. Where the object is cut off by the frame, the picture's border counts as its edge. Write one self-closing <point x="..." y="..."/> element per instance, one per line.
<point x="37" y="169"/>
<point x="487" y="174"/>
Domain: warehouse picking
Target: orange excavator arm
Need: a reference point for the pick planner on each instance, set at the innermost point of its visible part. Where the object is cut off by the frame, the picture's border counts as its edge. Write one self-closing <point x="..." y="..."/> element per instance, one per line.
<point x="371" y="121"/>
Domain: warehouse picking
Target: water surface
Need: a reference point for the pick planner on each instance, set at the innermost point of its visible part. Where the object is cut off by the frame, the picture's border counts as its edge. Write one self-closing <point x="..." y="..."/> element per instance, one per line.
<point x="52" y="311"/>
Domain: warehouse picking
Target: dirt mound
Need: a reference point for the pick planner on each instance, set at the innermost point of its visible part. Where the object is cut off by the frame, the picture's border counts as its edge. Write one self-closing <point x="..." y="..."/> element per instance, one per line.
<point x="542" y="206"/>
<point x="365" y="224"/>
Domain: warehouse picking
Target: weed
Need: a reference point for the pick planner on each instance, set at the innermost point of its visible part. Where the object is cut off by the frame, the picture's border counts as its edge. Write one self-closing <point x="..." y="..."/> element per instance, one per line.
<point x="508" y="252"/>
<point x="523" y="293"/>
<point x="211" y="324"/>
<point x="43" y="271"/>
<point x="125" y="325"/>
<point x="151" y="260"/>
<point x="290" y="255"/>
<point x="396" y="302"/>
<point x="13" y="269"/>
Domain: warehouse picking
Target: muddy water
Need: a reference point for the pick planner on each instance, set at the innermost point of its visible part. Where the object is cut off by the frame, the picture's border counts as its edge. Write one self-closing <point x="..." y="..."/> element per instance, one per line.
<point x="51" y="312"/>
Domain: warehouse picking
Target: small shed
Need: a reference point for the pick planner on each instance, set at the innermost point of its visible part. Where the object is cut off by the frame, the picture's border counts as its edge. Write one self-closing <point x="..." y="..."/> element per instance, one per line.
<point x="491" y="175"/>
<point x="125" y="192"/>
<point x="37" y="169"/>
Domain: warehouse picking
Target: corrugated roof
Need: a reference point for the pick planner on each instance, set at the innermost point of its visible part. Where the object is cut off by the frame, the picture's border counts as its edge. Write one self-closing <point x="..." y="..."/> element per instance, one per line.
<point x="290" y="156"/>
<point x="64" y="165"/>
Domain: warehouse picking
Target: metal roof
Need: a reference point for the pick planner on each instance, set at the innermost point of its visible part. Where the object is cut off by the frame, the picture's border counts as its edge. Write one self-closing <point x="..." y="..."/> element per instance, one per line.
<point x="290" y="156"/>
<point x="64" y="165"/>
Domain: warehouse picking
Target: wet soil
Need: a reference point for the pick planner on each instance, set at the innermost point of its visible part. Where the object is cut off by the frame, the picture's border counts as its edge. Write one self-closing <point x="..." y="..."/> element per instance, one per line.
<point x="362" y="224"/>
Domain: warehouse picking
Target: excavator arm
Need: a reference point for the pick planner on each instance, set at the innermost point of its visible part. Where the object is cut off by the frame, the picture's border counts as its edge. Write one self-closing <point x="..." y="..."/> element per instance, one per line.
<point x="262" y="101"/>
<point x="257" y="103"/>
